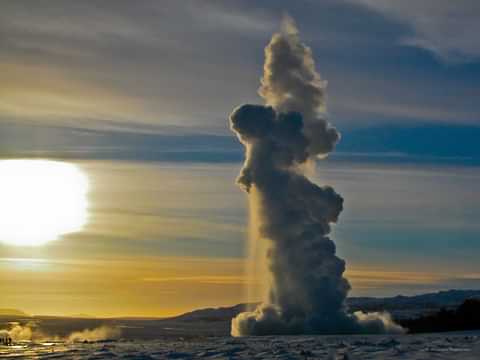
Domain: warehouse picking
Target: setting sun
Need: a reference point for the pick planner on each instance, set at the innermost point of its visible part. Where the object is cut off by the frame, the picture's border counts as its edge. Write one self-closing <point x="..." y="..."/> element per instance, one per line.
<point x="40" y="201"/>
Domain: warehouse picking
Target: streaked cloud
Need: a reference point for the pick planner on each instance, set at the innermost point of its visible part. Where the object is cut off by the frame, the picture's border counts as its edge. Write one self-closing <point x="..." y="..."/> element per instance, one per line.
<point x="448" y="29"/>
<point x="392" y="283"/>
<point x="109" y="61"/>
<point x="186" y="64"/>
<point x="46" y="95"/>
<point x="226" y="280"/>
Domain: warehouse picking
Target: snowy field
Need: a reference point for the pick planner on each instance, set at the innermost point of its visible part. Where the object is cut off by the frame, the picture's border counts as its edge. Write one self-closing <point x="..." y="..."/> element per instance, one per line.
<point x="460" y="345"/>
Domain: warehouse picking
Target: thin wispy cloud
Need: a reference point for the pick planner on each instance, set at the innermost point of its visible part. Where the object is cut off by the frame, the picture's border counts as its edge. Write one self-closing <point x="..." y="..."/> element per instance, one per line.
<point x="109" y="63"/>
<point x="448" y="29"/>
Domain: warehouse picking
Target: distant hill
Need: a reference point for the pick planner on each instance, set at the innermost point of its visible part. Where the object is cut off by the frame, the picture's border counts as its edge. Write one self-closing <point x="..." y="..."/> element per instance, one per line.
<point x="213" y="314"/>
<point x="436" y="300"/>
<point x="400" y="306"/>
<point x="464" y="317"/>
<point x="13" y="312"/>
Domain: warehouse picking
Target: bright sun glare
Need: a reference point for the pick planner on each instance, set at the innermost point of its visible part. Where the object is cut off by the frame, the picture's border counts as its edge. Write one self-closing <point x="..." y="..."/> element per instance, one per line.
<point x="40" y="200"/>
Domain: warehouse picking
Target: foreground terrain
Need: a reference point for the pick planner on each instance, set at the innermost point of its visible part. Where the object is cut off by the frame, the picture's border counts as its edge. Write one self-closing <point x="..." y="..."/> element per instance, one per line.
<point x="428" y="346"/>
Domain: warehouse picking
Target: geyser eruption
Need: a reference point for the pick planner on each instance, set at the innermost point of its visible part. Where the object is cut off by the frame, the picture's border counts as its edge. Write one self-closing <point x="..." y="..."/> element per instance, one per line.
<point x="307" y="289"/>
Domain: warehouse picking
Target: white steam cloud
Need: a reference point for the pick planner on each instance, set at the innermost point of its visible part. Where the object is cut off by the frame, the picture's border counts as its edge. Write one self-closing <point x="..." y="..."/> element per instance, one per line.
<point x="31" y="332"/>
<point x="292" y="215"/>
<point x="18" y="332"/>
<point x="97" y="334"/>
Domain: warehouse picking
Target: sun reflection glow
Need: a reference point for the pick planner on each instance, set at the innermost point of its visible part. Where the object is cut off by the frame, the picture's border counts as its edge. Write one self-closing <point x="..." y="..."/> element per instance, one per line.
<point x="40" y="200"/>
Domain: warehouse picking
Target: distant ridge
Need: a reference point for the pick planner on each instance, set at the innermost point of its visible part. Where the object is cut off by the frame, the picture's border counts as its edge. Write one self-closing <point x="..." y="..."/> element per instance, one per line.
<point x="400" y="305"/>
<point x="13" y="312"/>
<point x="445" y="298"/>
<point x="213" y="314"/>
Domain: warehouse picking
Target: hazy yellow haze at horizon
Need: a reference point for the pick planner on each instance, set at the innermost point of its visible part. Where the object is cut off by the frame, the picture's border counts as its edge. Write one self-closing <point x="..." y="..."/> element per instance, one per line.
<point x="165" y="238"/>
<point x="151" y="287"/>
<point x="157" y="287"/>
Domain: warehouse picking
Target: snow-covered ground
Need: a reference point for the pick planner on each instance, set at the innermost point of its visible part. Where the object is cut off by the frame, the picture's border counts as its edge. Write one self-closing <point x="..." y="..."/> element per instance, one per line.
<point x="460" y="345"/>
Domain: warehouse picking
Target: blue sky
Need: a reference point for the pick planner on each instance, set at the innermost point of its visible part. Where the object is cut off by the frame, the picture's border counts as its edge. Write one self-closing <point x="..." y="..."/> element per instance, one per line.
<point x="172" y="67"/>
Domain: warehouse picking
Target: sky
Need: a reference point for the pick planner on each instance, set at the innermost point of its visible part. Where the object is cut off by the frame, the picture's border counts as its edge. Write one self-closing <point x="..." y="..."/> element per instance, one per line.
<point x="137" y="95"/>
<point x="180" y="67"/>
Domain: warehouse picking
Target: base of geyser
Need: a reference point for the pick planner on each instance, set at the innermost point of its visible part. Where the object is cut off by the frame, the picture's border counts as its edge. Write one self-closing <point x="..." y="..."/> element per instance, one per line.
<point x="268" y="320"/>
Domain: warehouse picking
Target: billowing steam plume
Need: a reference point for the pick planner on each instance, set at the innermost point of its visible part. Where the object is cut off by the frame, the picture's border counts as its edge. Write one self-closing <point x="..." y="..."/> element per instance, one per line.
<point x="307" y="289"/>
